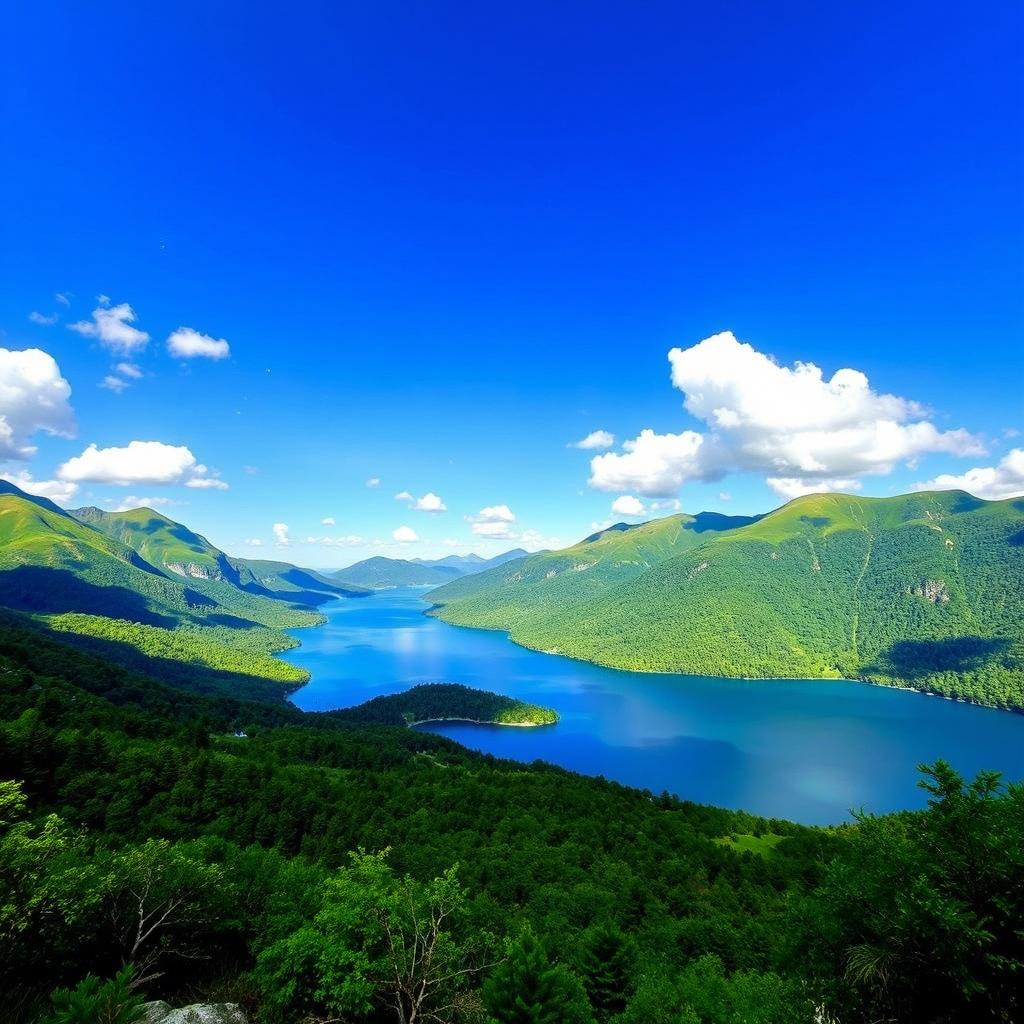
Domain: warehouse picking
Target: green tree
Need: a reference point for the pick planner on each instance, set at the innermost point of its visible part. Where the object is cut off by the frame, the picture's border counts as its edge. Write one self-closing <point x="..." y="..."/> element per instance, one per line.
<point x="161" y="901"/>
<point x="93" y="1001"/>
<point x="920" y="913"/>
<point x="527" y="988"/>
<point x="606" y="964"/>
<point x="49" y="891"/>
<point x="378" y="941"/>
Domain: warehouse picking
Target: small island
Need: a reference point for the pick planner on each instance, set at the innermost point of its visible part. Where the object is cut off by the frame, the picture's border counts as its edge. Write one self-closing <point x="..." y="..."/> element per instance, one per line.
<point x="447" y="702"/>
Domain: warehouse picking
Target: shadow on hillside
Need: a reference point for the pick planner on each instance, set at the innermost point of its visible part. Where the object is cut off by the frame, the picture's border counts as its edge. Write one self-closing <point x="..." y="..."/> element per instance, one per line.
<point x="37" y="589"/>
<point x="913" y="659"/>
<point x="704" y="521"/>
<point x="196" y="679"/>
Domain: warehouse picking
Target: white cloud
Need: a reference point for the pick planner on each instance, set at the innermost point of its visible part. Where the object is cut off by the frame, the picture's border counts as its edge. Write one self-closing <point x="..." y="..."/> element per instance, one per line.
<point x="627" y="505"/>
<point x="533" y="540"/>
<point x="186" y="343"/>
<point x="804" y="432"/>
<point x="63" y="298"/>
<point x="653" y="464"/>
<point x="59" y="491"/>
<point x="254" y="542"/>
<point x="494" y="522"/>
<point x="327" y="521"/>
<point x="405" y="535"/>
<point x="430" y="502"/>
<point x="347" y="541"/>
<point x="114" y="384"/>
<point x="128" y="370"/>
<point x="33" y="396"/>
<point x="111" y="326"/>
<point x="140" y="462"/>
<point x="133" y="501"/>
<point x="281" y="534"/>
<point x="666" y="505"/>
<point x="595" y="439"/>
<point x="1004" y="480"/>
<point x="203" y="482"/>
<point x="374" y="481"/>
<point x="42" y="319"/>
<point x="795" y="487"/>
<point x="724" y="496"/>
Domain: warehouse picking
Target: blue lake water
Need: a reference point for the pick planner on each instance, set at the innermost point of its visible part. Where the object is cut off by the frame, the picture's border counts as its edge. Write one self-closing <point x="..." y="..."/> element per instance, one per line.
<point x="805" y="750"/>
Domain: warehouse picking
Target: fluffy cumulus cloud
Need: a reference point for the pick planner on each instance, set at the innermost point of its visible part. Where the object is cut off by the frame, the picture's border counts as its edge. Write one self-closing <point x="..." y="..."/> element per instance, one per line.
<point x="430" y="502"/>
<point x="327" y="521"/>
<point x="594" y="440"/>
<point x="281" y="534"/>
<point x="129" y="370"/>
<point x="254" y="542"/>
<point x="652" y="464"/>
<point x="60" y="491"/>
<point x="33" y="396"/>
<point x="140" y="462"/>
<point x="803" y="431"/>
<point x="112" y="327"/>
<point x="185" y="343"/>
<point x="405" y="535"/>
<point x="628" y="505"/>
<point x="374" y="481"/>
<point x="1004" y="480"/>
<point x="494" y="522"/>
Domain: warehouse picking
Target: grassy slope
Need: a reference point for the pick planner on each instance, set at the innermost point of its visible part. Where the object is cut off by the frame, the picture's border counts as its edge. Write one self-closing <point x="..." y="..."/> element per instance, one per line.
<point x="88" y="582"/>
<point x="828" y="585"/>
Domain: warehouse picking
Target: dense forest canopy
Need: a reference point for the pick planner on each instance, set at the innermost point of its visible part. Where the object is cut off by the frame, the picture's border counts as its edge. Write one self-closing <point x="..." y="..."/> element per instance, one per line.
<point x="307" y="860"/>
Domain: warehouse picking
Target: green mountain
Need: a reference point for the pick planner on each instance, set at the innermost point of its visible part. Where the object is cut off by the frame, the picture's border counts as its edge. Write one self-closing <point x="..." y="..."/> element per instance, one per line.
<point x="147" y="592"/>
<point x="380" y="573"/>
<point x="923" y="590"/>
<point x="179" y="551"/>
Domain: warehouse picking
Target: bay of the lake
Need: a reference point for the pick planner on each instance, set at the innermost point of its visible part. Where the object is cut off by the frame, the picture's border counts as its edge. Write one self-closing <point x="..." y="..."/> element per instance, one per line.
<point x="807" y="750"/>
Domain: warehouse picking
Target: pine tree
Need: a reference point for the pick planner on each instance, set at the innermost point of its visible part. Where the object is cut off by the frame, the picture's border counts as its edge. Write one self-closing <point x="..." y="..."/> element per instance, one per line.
<point x="606" y="966"/>
<point x="527" y="988"/>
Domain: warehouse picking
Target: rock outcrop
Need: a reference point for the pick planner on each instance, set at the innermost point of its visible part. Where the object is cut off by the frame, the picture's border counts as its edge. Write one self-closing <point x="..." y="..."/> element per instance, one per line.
<point x="160" y="1012"/>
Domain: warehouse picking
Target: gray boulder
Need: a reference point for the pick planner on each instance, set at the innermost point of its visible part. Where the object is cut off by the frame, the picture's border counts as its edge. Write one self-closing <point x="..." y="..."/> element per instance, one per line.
<point x="197" y="1013"/>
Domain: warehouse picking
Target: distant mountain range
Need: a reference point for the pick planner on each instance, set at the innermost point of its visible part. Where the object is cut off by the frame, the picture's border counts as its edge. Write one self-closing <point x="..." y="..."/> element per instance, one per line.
<point x="923" y="590"/>
<point x="380" y="573"/>
<point x="137" y="585"/>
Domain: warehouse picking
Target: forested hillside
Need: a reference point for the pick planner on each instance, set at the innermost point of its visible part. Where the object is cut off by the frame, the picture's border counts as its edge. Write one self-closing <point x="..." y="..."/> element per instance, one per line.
<point x="137" y="585"/>
<point x="224" y="849"/>
<point x="923" y="590"/>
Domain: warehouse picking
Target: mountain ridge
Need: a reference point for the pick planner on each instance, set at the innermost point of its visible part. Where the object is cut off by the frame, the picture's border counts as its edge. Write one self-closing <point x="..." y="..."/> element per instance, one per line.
<point x="924" y="590"/>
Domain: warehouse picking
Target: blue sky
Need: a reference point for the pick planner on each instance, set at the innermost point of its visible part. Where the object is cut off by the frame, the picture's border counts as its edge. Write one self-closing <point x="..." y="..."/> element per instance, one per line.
<point x="445" y="241"/>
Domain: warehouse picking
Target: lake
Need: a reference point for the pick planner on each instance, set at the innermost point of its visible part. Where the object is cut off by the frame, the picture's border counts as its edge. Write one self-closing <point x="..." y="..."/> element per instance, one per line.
<point x="807" y="750"/>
